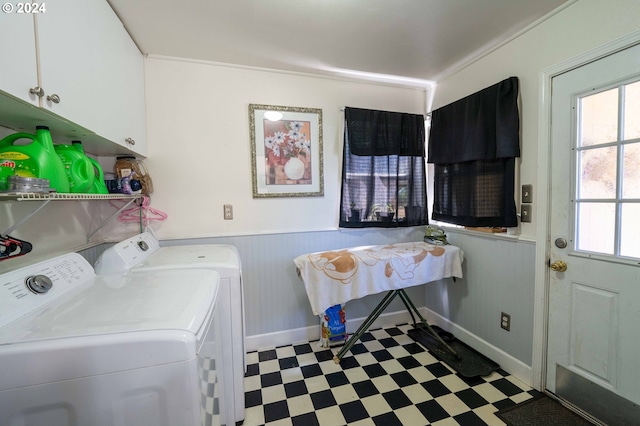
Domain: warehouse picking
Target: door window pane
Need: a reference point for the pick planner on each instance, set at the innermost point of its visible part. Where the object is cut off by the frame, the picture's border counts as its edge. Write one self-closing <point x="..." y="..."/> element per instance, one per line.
<point x="596" y="227"/>
<point x="599" y="118"/>
<point x="632" y="111"/>
<point x="629" y="241"/>
<point x="631" y="171"/>
<point x="598" y="173"/>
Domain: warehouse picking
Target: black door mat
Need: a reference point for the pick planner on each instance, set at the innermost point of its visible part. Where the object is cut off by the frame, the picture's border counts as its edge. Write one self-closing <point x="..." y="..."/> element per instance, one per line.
<point x="470" y="363"/>
<point x="541" y="410"/>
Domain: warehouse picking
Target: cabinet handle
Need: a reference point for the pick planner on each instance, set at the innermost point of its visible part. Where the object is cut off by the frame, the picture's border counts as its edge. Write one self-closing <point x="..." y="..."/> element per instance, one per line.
<point x="54" y="98"/>
<point x="38" y="91"/>
<point x="130" y="141"/>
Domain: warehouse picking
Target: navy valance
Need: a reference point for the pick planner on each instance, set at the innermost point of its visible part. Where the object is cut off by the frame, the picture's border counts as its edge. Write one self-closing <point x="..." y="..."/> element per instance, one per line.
<point x="372" y="132"/>
<point x="481" y="126"/>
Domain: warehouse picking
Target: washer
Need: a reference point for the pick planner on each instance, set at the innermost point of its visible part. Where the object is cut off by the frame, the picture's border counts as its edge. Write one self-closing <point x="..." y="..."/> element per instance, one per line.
<point x="110" y="350"/>
<point x="143" y="253"/>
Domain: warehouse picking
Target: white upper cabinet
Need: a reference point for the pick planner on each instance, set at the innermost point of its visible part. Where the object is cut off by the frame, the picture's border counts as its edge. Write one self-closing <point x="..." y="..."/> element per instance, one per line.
<point x="18" y="51"/>
<point x="90" y="71"/>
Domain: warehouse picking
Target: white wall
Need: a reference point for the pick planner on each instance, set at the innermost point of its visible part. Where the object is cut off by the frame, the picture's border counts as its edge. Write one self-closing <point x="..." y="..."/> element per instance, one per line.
<point x="498" y="282"/>
<point x="584" y="25"/>
<point x="199" y="150"/>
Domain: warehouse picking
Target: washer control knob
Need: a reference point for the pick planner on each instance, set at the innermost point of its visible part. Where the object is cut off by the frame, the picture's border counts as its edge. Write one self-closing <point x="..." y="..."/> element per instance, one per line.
<point x="143" y="245"/>
<point x="38" y="283"/>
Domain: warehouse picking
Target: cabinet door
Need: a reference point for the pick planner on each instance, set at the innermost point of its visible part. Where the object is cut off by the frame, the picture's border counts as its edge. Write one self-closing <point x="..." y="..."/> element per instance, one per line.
<point x="70" y="37"/>
<point x="87" y="60"/>
<point x="122" y="102"/>
<point x="18" y="51"/>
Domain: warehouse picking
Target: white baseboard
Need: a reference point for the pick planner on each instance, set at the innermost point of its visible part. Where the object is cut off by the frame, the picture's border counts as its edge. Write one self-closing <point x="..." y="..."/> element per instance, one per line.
<point x="312" y="333"/>
<point x="507" y="362"/>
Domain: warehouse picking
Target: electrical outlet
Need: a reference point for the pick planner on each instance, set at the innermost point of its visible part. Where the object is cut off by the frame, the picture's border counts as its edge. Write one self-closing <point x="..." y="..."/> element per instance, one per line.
<point x="505" y="321"/>
<point x="228" y="212"/>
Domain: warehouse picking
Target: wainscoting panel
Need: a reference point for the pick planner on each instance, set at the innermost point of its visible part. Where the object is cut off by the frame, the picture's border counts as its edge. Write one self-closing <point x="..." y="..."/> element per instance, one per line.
<point x="275" y="297"/>
<point x="498" y="277"/>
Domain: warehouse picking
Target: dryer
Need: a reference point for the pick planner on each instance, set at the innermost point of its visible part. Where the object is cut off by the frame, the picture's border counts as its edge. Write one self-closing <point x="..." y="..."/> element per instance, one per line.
<point x="110" y="350"/>
<point x="143" y="253"/>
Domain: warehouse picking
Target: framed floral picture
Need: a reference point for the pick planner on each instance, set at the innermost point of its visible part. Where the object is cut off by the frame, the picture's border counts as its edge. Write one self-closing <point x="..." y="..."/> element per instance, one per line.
<point x="286" y="151"/>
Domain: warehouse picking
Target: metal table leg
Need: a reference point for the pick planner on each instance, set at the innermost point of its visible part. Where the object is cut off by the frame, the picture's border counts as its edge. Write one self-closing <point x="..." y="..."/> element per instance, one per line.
<point x="376" y="313"/>
<point x="410" y="306"/>
<point x="365" y="325"/>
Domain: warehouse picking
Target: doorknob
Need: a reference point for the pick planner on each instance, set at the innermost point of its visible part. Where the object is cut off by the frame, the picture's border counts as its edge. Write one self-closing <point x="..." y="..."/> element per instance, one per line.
<point x="558" y="266"/>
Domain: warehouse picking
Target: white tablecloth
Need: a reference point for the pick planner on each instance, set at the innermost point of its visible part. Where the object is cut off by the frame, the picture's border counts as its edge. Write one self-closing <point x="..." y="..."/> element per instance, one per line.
<point x="337" y="276"/>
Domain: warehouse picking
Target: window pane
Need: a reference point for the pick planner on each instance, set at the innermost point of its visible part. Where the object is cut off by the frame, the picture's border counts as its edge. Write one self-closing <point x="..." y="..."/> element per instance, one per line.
<point x="596" y="227"/>
<point x="599" y="118"/>
<point x="631" y="167"/>
<point x="632" y="111"/>
<point x="598" y="173"/>
<point x="629" y="241"/>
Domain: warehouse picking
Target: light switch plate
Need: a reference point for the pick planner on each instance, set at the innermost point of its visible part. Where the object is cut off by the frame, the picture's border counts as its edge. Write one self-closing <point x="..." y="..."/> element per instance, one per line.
<point x="525" y="212"/>
<point x="527" y="193"/>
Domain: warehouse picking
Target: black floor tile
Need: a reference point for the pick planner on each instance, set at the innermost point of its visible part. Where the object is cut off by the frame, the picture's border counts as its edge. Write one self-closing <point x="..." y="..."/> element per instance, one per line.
<point x="470" y="419"/>
<point x="432" y="411"/>
<point x="322" y="381"/>
<point x="303" y="349"/>
<point x="308" y="419"/>
<point x="337" y="379"/>
<point x="382" y="355"/>
<point x="365" y="388"/>
<point x="409" y="362"/>
<point x="267" y="355"/>
<point x="374" y="370"/>
<point x="295" y="389"/>
<point x="397" y="399"/>
<point x="270" y="379"/>
<point x="506" y="387"/>
<point x="387" y="419"/>
<point x="276" y="411"/>
<point x="290" y="362"/>
<point x="311" y="370"/>
<point x="435" y="388"/>
<point x="402" y="378"/>
<point x="354" y="411"/>
<point x="322" y="399"/>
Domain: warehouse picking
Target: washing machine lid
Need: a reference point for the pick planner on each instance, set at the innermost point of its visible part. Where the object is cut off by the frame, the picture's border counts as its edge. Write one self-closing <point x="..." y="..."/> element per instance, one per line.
<point x="121" y="303"/>
<point x="86" y="325"/>
<point x="222" y="258"/>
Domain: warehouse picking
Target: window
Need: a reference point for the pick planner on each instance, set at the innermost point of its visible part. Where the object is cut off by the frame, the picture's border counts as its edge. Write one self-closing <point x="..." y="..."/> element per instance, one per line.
<point x="383" y="174"/>
<point x="473" y="143"/>
<point x="607" y="183"/>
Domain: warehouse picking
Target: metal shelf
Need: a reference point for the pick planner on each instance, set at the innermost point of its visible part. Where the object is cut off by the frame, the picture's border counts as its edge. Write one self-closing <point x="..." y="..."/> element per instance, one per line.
<point x="53" y="196"/>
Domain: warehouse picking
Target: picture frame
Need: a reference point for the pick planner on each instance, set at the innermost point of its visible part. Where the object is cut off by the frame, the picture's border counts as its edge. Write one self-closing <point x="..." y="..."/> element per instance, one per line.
<point x="286" y="151"/>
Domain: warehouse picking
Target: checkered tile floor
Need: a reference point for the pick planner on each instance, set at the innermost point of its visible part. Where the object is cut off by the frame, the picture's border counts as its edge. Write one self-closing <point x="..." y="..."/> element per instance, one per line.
<point x="387" y="379"/>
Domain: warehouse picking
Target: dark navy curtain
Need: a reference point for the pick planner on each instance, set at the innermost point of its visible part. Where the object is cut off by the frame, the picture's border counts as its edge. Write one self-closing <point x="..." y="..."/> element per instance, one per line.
<point x="473" y="144"/>
<point x="383" y="174"/>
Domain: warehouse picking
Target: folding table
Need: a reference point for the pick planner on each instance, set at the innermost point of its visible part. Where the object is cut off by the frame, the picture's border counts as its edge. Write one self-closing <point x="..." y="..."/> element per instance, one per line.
<point x="337" y="276"/>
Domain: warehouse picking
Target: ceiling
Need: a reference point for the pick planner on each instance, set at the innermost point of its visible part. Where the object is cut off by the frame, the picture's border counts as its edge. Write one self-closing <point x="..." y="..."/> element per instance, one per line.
<point x="414" y="41"/>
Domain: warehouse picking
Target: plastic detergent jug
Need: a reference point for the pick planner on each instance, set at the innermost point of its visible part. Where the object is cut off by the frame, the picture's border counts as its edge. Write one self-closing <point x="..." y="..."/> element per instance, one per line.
<point x="98" y="186"/>
<point x="37" y="159"/>
<point x="77" y="166"/>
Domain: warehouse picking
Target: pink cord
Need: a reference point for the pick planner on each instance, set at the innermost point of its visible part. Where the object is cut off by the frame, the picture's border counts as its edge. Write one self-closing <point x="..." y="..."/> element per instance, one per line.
<point x="140" y="213"/>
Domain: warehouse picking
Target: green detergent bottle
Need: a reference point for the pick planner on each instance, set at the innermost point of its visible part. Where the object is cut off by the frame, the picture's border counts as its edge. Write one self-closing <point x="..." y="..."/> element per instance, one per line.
<point x="77" y="166"/>
<point x="98" y="186"/>
<point x="37" y="159"/>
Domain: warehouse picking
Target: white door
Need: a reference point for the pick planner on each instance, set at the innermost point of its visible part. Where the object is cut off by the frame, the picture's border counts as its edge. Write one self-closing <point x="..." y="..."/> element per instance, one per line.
<point x="594" y="306"/>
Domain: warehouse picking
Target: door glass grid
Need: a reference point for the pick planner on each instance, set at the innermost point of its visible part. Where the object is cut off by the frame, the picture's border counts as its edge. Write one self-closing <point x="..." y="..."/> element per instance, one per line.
<point x="607" y="183"/>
